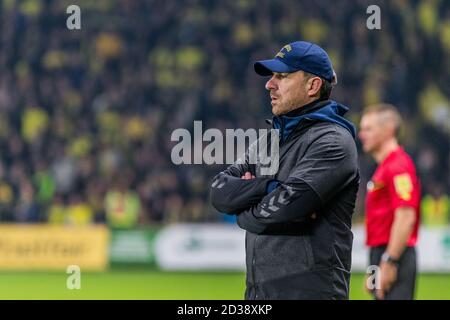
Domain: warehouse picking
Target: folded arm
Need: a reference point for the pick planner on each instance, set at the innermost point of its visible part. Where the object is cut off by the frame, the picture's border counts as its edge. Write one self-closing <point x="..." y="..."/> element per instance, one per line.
<point x="326" y="168"/>
<point x="291" y="202"/>
<point x="232" y="195"/>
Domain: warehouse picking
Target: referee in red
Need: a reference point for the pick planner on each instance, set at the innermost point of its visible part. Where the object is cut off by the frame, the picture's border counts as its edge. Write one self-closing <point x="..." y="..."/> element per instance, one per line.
<point x="392" y="204"/>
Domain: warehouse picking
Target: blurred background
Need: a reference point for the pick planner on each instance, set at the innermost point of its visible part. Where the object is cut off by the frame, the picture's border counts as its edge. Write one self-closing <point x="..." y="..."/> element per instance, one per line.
<point x="86" y="118"/>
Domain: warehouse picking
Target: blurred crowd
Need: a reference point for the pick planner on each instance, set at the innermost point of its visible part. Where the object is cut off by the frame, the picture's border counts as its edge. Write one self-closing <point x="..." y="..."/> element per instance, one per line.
<point x="86" y="115"/>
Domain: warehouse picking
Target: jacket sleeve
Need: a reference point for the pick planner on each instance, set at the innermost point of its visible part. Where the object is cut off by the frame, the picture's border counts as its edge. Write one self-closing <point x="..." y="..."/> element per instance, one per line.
<point x="329" y="164"/>
<point x="232" y="195"/>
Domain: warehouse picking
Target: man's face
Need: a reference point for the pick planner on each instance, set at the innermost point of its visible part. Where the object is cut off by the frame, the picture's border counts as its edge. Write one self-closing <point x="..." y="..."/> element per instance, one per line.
<point x="372" y="132"/>
<point x="287" y="91"/>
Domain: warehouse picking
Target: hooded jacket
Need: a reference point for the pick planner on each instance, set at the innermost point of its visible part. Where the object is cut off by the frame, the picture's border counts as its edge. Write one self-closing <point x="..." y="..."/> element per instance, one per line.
<point x="298" y="221"/>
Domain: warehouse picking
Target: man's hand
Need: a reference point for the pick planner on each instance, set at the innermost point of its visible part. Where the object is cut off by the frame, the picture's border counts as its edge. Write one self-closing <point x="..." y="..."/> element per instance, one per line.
<point x="388" y="274"/>
<point x="248" y="176"/>
<point x="366" y="287"/>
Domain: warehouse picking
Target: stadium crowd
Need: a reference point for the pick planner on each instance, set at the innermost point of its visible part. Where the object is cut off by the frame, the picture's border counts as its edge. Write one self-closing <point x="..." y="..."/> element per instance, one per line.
<point x="86" y="115"/>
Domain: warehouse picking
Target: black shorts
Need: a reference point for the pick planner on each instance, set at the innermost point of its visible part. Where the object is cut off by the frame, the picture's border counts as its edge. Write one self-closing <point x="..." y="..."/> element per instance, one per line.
<point x="404" y="287"/>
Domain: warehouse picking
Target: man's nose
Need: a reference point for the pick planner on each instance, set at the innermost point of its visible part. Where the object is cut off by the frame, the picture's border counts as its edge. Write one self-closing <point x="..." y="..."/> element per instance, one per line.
<point x="271" y="84"/>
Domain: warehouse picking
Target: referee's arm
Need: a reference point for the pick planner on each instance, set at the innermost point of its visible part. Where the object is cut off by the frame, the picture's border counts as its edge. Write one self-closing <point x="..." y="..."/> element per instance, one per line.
<point x="401" y="230"/>
<point x="402" y="227"/>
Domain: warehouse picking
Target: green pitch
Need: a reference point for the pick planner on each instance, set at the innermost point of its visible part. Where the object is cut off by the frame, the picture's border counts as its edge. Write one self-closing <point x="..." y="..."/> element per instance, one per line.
<point x="142" y="284"/>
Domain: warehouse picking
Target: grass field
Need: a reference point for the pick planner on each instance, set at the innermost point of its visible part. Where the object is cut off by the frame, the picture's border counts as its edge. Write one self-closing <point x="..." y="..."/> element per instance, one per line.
<point x="142" y="284"/>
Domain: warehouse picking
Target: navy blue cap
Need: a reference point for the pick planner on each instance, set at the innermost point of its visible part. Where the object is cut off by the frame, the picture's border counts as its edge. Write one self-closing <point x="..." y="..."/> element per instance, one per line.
<point x="299" y="55"/>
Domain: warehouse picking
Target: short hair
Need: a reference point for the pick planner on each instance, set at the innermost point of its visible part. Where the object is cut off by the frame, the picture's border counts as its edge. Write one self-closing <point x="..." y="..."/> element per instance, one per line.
<point x="388" y="111"/>
<point x="325" y="88"/>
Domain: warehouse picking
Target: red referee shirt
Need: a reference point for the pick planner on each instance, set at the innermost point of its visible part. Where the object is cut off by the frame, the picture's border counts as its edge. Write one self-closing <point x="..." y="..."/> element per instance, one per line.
<point x="394" y="184"/>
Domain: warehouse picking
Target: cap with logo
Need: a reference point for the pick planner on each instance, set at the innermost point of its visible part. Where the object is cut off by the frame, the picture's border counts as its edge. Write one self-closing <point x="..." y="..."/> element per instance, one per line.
<point x="299" y="55"/>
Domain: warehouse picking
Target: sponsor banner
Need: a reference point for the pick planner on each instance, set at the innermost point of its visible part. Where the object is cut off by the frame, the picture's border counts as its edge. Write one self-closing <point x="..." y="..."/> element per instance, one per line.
<point x="433" y="249"/>
<point x="132" y="246"/>
<point x="45" y="247"/>
<point x="222" y="247"/>
<point x="201" y="246"/>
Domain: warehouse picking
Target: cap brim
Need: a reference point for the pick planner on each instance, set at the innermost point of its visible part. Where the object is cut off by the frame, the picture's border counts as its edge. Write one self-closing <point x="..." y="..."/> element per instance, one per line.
<point x="268" y="67"/>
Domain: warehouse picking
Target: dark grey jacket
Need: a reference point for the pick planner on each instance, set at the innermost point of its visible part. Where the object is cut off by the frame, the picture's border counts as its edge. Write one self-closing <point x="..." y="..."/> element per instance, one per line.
<point x="299" y="239"/>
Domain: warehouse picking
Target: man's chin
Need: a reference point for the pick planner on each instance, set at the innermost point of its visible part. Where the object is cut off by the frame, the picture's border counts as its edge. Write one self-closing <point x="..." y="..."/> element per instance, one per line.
<point x="367" y="149"/>
<point x="276" y="111"/>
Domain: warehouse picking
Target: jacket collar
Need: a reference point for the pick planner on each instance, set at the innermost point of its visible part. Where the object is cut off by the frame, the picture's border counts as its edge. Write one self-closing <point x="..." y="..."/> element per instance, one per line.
<point x="321" y="110"/>
<point x="307" y="108"/>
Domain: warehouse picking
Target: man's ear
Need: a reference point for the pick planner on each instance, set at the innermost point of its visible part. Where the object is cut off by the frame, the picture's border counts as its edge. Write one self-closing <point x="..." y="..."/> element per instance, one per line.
<point x="314" y="85"/>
